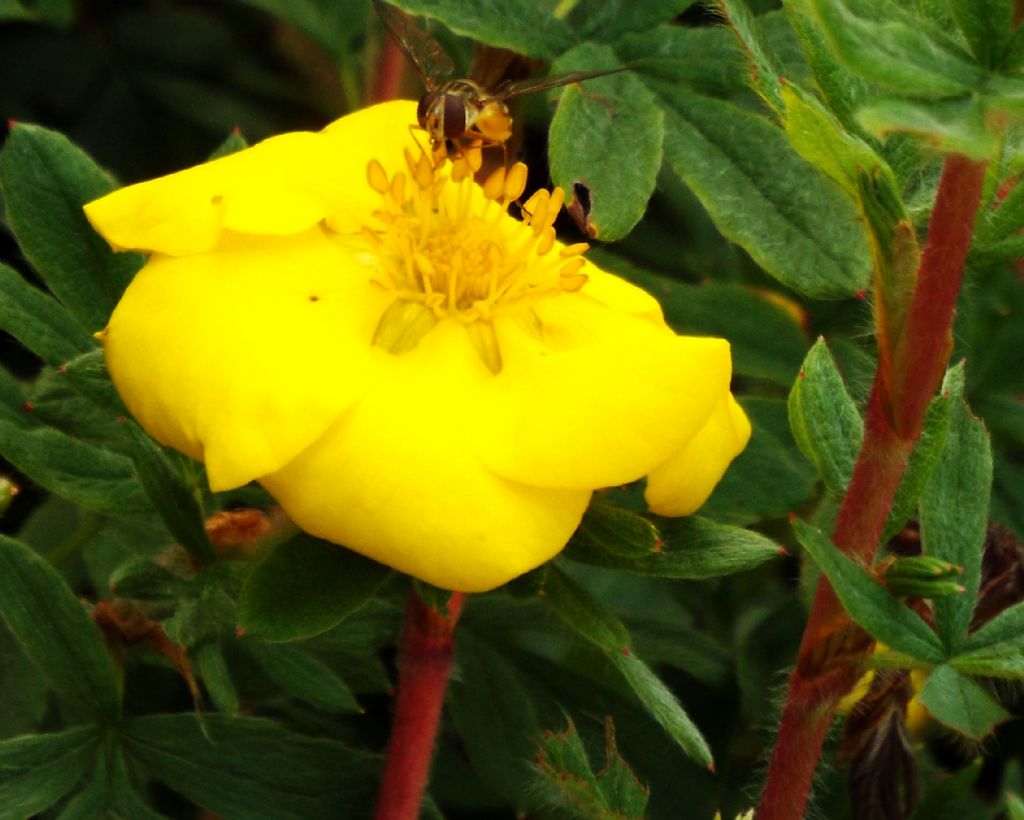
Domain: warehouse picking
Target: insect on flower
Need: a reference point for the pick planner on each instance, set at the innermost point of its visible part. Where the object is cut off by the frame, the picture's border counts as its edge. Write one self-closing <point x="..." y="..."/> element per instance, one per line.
<point x="463" y="113"/>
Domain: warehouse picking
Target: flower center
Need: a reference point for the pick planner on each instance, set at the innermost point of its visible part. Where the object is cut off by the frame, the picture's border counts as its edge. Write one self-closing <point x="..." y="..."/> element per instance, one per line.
<point x="447" y="253"/>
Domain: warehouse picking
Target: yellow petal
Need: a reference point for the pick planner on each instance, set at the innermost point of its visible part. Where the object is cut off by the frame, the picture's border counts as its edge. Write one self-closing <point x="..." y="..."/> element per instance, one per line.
<point x="683" y="483"/>
<point x="283" y="185"/>
<point x="245" y="355"/>
<point x="396" y="480"/>
<point x="599" y="398"/>
<point x="616" y="293"/>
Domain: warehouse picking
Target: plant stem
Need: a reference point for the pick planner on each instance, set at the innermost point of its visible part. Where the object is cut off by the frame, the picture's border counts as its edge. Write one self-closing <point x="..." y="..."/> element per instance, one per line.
<point x="833" y="649"/>
<point x="424" y="661"/>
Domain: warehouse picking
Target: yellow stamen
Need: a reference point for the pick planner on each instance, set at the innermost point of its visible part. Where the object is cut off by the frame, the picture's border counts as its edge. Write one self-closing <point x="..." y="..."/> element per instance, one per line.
<point x="444" y="247"/>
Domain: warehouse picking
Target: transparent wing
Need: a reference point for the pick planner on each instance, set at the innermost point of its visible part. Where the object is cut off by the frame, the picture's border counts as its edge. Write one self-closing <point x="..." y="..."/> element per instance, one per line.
<point x="493" y="66"/>
<point x="508" y="90"/>
<point x="425" y="53"/>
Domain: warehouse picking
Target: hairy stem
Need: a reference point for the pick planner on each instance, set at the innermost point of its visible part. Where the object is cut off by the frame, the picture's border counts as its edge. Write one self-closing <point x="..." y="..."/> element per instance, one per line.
<point x="424" y="661"/>
<point x="833" y="649"/>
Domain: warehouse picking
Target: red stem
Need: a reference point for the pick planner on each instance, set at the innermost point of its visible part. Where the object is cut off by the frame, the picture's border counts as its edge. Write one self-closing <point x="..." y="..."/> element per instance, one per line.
<point x="424" y="661"/>
<point x="832" y="650"/>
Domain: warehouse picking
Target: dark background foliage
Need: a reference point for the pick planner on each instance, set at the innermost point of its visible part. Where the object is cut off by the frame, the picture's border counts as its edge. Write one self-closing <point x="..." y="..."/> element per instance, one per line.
<point x="146" y="88"/>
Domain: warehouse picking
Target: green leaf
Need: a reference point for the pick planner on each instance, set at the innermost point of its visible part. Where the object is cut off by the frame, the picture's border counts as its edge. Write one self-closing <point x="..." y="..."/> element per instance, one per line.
<point x="824" y="420"/>
<point x="252" y="769"/>
<point x="583" y="612"/>
<point x="38" y="321"/>
<point x="869" y="604"/>
<point x="304" y="588"/>
<point x="88" y="375"/>
<point x="587" y="616"/>
<point x="494" y="716"/>
<point x="37" y="770"/>
<point x="919" y="469"/>
<point x="302" y="676"/>
<point x="997" y="649"/>
<point x="954" y="509"/>
<point x="519" y="25"/>
<point x="704" y="58"/>
<point x="53" y="400"/>
<point x="109" y="793"/>
<point x="892" y="47"/>
<point x="568" y="781"/>
<point x="96" y="479"/>
<point x="216" y="677"/>
<point x="333" y="25"/>
<point x="46" y="180"/>
<point x="207" y="616"/>
<point x="691" y="547"/>
<point x="611" y="19"/>
<point x="611" y="529"/>
<point x="792" y="220"/>
<point x="12" y="401"/>
<point x="1007" y="628"/>
<point x="613" y="116"/>
<point x="988" y="28"/>
<point x="144" y="580"/>
<point x="53" y="628"/>
<point x="953" y="126"/>
<point x="842" y="91"/>
<point x="958" y="702"/>
<point x="818" y="137"/>
<point x="170" y="493"/>
<point x="764" y="67"/>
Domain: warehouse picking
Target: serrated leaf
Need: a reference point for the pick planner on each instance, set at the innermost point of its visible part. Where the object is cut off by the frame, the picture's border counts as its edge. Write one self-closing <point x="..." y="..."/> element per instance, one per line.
<point x="870" y="605"/>
<point x="691" y="548"/>
<point x="37" y="770"/>
<point x="302" y="676"/>
<point x="765" y="71"/>
<point x="518" y="25"/>
<point x="954" y="126"/>
<point x="587" y="616"/>
<point x="252" y="769"/>
<point x="958" y="702"/>
<point x="94" y="478"/>
<point x="495" y="717"/>
<point x="988" y="28"/>
<point x="570" y="783"/>
<point x="38" y="321"/>
<point x="954" y="509"/>
<point x="789" y="217"/>
<point x="46" y="180"/>
<point x="171" y="495"/>
<point x="891" y="46"/>
<point x="304" y="588"/>
<point x="54" y="630"/>
<point x="824" y="420"/>
<point x="613" y="116"/>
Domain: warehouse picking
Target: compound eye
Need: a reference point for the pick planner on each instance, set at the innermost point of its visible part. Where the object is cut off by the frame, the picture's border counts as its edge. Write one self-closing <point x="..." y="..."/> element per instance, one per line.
<point x="425" y="105"/>
<point x="454" y="116"/>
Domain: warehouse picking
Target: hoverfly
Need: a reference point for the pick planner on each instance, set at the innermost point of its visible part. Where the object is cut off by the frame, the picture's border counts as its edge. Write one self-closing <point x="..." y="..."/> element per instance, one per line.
<point x="464" y="112"/>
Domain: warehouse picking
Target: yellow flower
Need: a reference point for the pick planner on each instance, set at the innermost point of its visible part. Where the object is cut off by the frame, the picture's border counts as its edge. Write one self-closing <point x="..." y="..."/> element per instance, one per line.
<point x="407" y="369"/>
